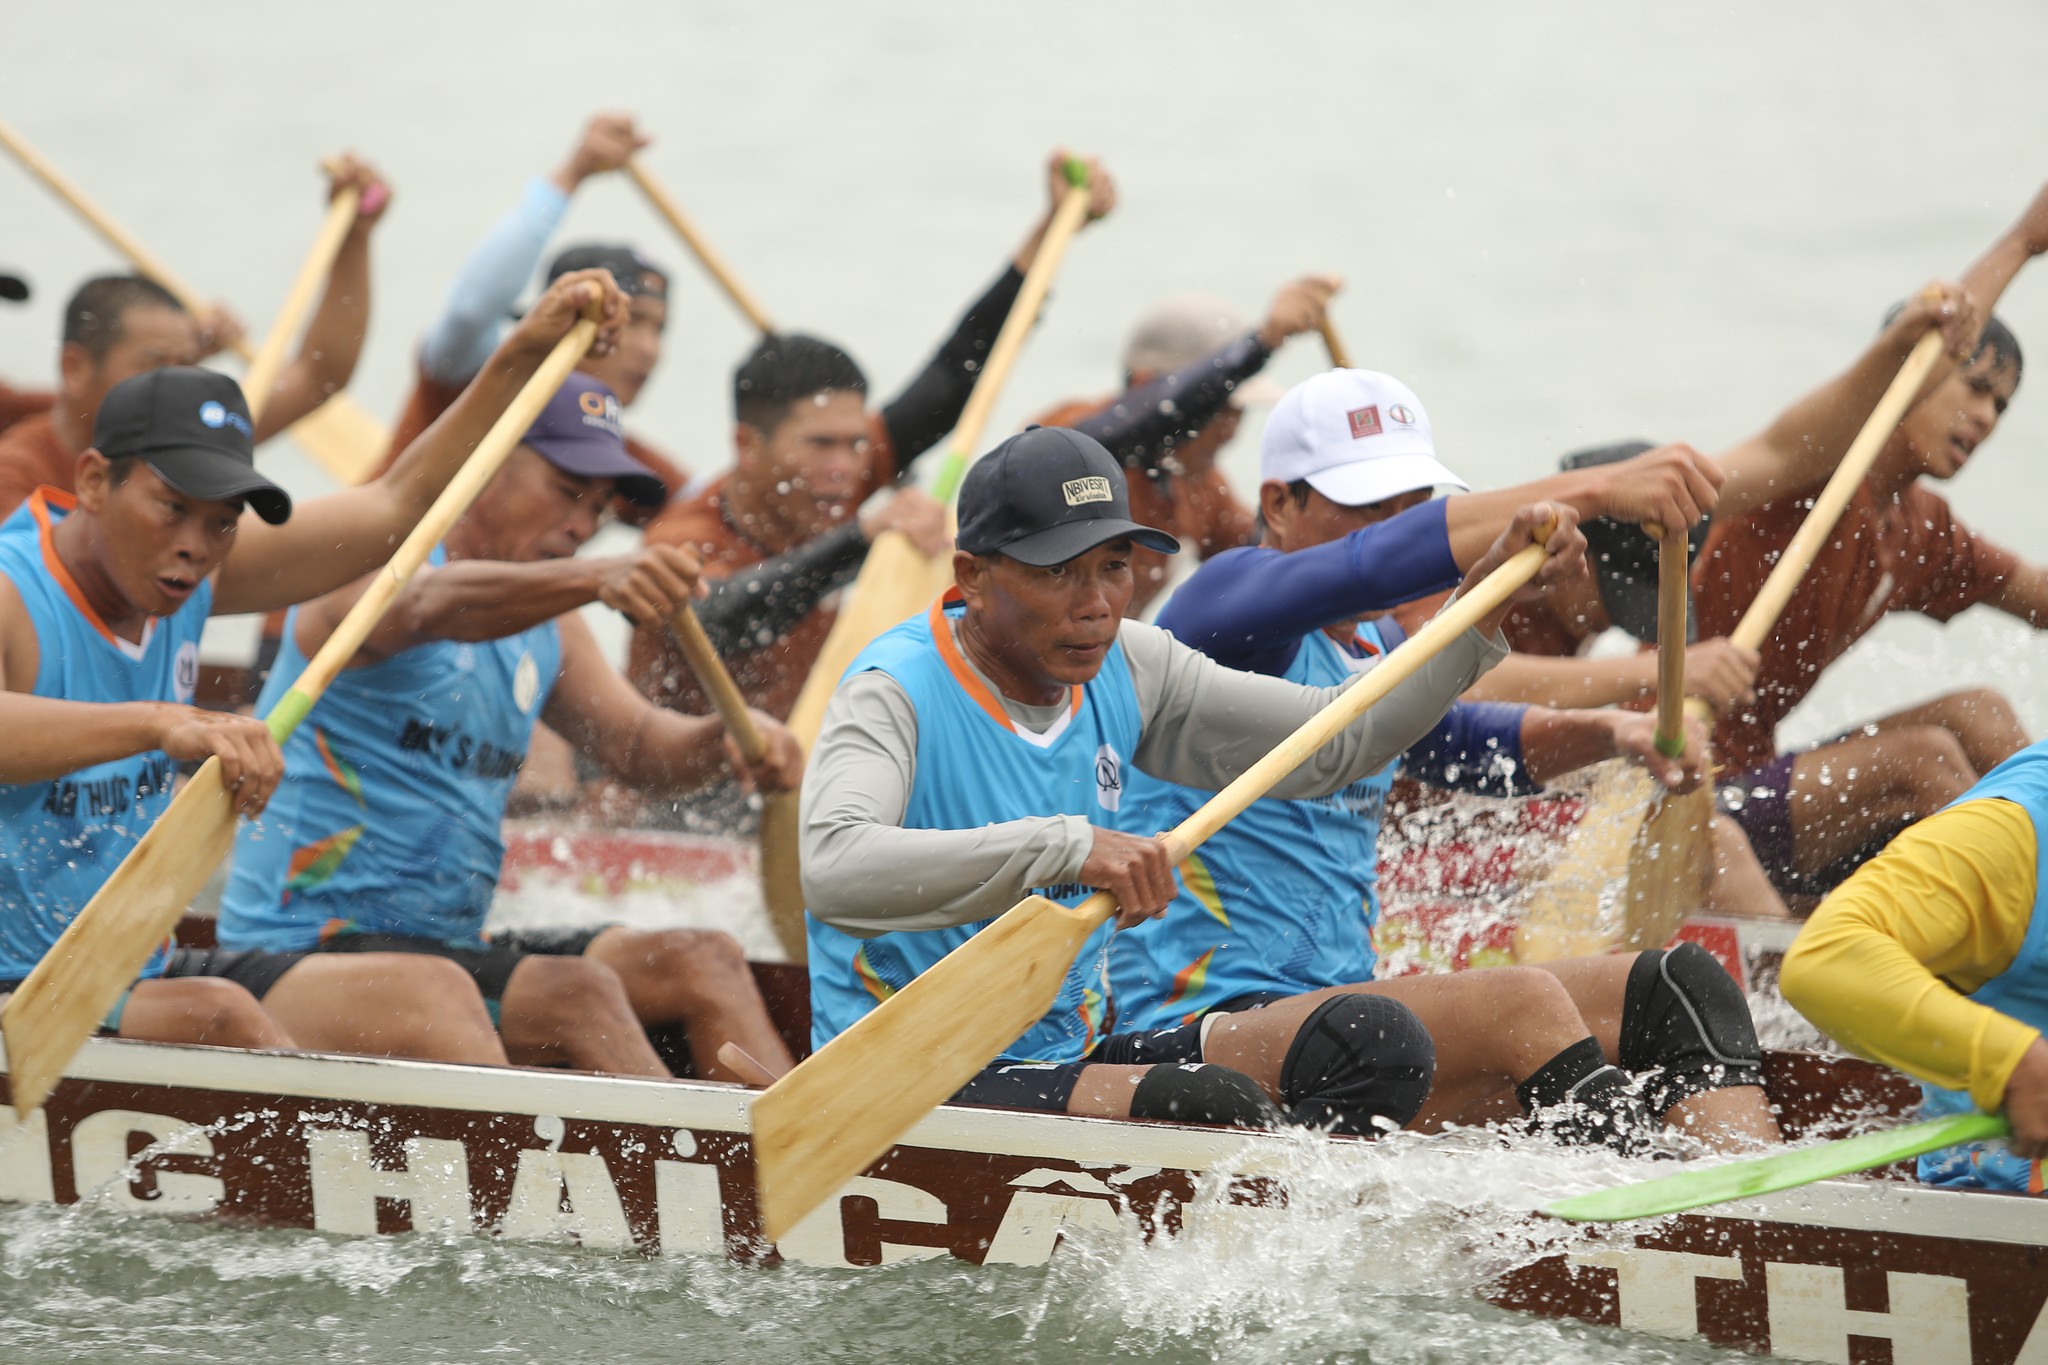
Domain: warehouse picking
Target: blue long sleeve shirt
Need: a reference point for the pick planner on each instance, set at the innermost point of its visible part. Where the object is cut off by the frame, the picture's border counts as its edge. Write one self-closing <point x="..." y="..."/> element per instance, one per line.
<point x="1250" y="609"/>
<point x="479" y="306"/>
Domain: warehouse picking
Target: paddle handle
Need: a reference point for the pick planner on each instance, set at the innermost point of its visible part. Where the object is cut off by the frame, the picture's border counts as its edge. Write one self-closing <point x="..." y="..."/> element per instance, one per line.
<point x="1067" y="219"/>
<point x="1799" y="555"/>
<point x="1334" y="344"/>
<point x="477" y="471"/>
<point x="1671" y="592"/>
<point x="707" y="255"/>
<point x="717" y="679"/>
<point x="261" y="376"/>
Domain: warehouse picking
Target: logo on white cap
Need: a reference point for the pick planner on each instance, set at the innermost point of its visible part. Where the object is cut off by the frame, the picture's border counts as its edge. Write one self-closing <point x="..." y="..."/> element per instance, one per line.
<point x="1401" y="415"/>
<point x="1364" y="422"/>
<point x="1355" y="436"/>
<point x="1094" y="488"/>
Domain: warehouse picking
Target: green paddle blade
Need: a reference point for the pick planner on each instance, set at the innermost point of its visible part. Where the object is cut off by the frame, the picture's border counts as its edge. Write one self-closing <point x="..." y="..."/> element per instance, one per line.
<point x="1764" y="1175"/>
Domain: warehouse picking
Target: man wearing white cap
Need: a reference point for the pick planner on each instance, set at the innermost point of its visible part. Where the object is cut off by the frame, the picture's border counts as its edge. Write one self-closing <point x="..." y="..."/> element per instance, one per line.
<point x="1270" y="908"/>
<point x="1190" y="367"/>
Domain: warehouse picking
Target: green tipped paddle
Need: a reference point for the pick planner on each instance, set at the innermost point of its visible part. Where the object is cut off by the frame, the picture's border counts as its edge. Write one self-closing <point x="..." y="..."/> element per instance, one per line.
<point x="1769" y="1174"/>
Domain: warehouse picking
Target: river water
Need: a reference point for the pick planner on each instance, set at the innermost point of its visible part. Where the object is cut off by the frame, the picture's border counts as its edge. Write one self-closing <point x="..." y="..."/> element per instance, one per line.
<point x="1562" y="225"/>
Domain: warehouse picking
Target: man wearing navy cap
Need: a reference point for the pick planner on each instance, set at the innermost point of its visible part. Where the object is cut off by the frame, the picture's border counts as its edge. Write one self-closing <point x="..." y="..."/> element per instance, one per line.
<point x="385" y="834"/>
<point x="102" y="599"/>
<point x="978" y="753"/>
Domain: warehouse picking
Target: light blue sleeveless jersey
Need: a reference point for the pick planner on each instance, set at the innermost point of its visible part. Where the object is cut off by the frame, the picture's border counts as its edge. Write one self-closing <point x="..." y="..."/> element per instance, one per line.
<point x="60" y="840"/>
<point x="2021" y="990"/>
<point x="390" y="816"/>
<point x="975" y="768"/>
<point x="1271" y="903"/>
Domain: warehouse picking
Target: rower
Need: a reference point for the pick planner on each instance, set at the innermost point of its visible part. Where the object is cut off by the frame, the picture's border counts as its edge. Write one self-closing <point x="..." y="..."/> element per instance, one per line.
<point x="790" y="523"/>
<point x="981" y="750"/>
<point x="1281" y="904"/>
<point x="102" y="600"/>
<point x="481" y="300"/>
<point x="386" y="831"/>
<point x="119" y="326"/>
<point x="1191" y="367"/>
<point x="1933" y="958"/>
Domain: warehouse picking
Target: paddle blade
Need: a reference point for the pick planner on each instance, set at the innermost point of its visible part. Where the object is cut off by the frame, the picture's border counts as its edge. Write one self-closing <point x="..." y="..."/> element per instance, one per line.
<point x="96" y="958"/>
<point x="1768" y="1174"/>
<point x="845" y="1106"/>
<point x="1562" y="917"/>
<point x="1669" y="865"/>
<point x="782" y="888"/>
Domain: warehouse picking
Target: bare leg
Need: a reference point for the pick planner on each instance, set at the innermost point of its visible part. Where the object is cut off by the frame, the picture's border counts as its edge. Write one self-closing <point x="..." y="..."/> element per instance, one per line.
<point x="573" y="1010"/>
<point x="1739" y="888"/>
<point x="1493" y="1029"/>
<point x="1982" y="721"/>
<point x="1844" y="795"/>
<point x="386" y="1005"/>
<point x="701" y="981"/>
<point x="1105" y="1091"/>
<point x="199" y="1009"/>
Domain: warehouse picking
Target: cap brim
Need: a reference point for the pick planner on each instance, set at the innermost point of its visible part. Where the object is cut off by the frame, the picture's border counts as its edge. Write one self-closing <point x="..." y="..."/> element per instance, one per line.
<point x="207" y="474"/>
<point x="1382" y="477"/>
<point x="1070" y="540"/>
<point x="601" y="460"/>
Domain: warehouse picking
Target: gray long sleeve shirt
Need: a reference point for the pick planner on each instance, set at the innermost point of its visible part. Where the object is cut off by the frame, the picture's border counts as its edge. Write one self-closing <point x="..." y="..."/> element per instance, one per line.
<point x="1204" y="724"/>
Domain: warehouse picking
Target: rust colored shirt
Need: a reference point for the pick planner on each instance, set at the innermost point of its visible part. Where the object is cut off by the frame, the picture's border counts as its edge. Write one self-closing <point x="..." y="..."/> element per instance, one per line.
<point x="16" y="404"/>
<point x="30" y="456"/>
<point x="769" y="675"/>
<point x="1529" y="629"/>
<point x="1910" y="556"/>
<point x="1198" y="509"/>
<point x="430" y="398"/>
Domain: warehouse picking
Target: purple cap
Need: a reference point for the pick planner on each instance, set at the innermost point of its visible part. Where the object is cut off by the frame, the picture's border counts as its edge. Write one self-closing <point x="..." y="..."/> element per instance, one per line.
<point x="578" y="433"/>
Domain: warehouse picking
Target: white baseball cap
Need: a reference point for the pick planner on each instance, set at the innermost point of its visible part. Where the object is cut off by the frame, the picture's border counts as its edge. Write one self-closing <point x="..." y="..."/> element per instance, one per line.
<point x="1357" y="436"/>
<point x="1180" y="330"/>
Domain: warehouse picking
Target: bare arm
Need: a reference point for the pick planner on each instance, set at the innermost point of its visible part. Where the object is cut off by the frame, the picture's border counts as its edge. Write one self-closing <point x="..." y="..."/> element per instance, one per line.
<point x="641" y="744"/>
<point x="332" y="540"/>
<point x="1673" y="485"/>
<point x="1568" y="683"/>
<point x="334" y="337"/>
<point x="1988" y="276"/>
<point x="2025" y="595"/>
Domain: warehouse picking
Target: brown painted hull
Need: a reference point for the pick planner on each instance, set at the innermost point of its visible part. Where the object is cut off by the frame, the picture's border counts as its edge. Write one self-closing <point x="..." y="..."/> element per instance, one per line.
<point x="378" y="1147"/>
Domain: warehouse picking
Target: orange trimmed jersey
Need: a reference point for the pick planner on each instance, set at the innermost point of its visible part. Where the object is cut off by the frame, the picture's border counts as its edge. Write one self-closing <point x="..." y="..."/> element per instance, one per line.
<point x="61" y="839"/>
<point x="975" y="767"/>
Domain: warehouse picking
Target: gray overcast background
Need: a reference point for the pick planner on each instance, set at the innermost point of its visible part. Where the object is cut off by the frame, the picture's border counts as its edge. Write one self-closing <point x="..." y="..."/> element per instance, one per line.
<point x="1562" y="225"/>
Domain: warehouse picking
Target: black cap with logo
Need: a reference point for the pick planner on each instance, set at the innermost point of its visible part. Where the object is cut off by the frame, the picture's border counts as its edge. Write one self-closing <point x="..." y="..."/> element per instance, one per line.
<point x="192" y="427"/>
<point x="1624" y="557"/>
<point x="635" y="275"/>
<point x="1047" y="495"/>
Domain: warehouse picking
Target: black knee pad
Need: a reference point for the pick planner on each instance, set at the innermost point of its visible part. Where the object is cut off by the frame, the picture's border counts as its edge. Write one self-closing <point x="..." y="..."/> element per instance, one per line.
<point x="1577" y="1097"/>
<point x="1359" y="1064"/>
<point x="1684" y="1018"/>
<point x="1203" y="1093"/>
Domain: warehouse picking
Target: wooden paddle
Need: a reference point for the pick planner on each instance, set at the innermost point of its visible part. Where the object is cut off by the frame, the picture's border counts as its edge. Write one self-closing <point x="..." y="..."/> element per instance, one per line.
<point x="1779" y="1171"/>
<point x="844" y="1106"/>
<point x="348" y="442"/>
<point x="781" y="886"/>
<point x="97" y="956"/>
<point x="1339" y="357"/>
<point x="261" y="376"/>
<point x="1563" y="913"/>
<point x="895" y="580"/>
<point x="707" y="256"/>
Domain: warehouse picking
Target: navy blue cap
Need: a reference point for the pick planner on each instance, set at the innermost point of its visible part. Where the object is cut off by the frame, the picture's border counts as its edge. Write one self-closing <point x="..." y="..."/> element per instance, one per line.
<point x="578" y="432"/>
<point x="1048" y="495"/>
<point x="192" y="427"/>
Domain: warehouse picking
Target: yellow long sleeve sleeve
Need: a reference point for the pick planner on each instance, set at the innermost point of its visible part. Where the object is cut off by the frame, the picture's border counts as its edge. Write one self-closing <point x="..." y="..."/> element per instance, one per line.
<point x="1883" y="965"/>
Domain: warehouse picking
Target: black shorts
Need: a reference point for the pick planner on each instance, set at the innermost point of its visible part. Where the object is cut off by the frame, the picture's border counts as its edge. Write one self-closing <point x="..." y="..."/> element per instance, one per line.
<point x="1049" y="1085"/>
<point x="489" y="962"/>
<point x="253" y="969"/>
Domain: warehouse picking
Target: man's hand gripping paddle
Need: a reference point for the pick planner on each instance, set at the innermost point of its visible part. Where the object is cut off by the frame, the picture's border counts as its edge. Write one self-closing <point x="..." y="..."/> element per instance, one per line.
<point x="834" y="1115"/>
<point x="1563" y="918"/>
<point x="96" y="958"/>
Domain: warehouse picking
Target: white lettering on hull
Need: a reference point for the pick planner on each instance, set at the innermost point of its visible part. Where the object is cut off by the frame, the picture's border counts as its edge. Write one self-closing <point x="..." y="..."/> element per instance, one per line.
<point x="1657" y="1291"/>
<point x="1929" y="1321"/>
<point x="820" y="1239"/>
<point x="347" y="1183"/>
<point x="686" y="1209"/>
<point x="102" y="1167"/>
<point x="25" y="1158"/>
<point x="566" y="1197"/>
<point x="1033" y="1222"/>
